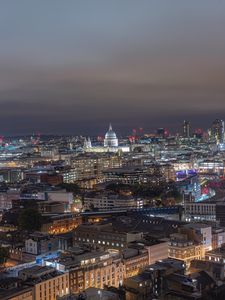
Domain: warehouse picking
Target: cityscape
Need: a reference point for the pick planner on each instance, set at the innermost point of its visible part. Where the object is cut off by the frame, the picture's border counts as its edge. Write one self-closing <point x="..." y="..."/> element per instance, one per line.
<point x="112" y="150"/>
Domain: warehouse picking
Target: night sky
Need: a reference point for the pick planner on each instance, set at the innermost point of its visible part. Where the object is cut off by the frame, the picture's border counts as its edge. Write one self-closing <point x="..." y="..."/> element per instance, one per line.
<point x="70" y="66"/>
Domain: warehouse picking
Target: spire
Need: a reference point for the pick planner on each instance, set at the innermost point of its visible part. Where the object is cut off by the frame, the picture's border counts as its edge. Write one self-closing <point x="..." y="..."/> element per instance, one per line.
<point x="110" y="127"/>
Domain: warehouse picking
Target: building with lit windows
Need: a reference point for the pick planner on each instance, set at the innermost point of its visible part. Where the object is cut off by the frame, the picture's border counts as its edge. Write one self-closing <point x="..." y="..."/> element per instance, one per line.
<point x="217" y="131"/>
<point x="47" y="282"/>
<point x="180" y="247"/>
<point x="112" y="202"/>
<point x="134" y="260"/>
<point x="200" y="211"/>
<point x="216" y="255"/>
<point x="90" y="268"/>
<point x="104" y="236"/>
<point x="186" y="129"/>
<point x="111" y="144"/>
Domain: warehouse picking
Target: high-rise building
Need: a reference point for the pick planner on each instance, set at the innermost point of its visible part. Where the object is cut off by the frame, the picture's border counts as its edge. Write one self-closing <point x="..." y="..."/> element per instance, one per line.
<point x="186" y="129"/>
<point x="217" y="131"/>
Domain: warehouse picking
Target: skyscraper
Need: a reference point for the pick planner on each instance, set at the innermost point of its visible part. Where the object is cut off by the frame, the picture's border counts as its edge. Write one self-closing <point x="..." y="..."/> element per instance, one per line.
<point x="186" y="129"/>
<point x="217" y="131"/>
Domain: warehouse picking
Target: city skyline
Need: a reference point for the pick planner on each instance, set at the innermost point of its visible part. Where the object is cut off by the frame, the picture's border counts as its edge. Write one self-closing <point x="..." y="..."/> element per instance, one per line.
<point x="145" y="64"/>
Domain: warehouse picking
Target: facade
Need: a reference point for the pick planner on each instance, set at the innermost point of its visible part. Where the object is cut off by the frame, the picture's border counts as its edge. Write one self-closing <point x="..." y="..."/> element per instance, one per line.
<point x="104" y="236"/>
<point x="200" y="211"/>
<point x="218" y="237"/>
<point x="216" y="255"/>
<point x="13" y="289"/>
<point x="201" y="232"/>
<point x="220" y="213"/>
<point x="186" y="129"/>
<point x="90" y="268"/>
<point x="134" y="260"/>
<point x="183" y="249"/>
<point x="56" y="224"/>
<point x="112" y="202"/>
<point x="47" y="283"/>
<point x="40" y="243"/>
<point x="89" y="166"/>
<point x="150" y="283"/>
<point x="217" y="131"/>
<point x="134" y="175"/>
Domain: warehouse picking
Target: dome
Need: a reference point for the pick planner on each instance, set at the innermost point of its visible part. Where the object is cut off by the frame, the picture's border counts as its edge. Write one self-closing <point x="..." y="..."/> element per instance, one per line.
<point x="110" y="138"/>
<point x="110" y="134"/>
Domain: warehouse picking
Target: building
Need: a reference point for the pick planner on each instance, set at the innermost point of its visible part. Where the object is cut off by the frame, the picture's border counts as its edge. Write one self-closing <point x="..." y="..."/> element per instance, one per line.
<point x="60" y="223"/>
<point x="111" y="139"/>
<point x="104" y="236"/>
<point x="90" y="268"/>
<point x="14" y="289"/>
<point x="190" y="188"/>
<point x="111" y="144"/>
<point x="90" y="166"/>
<point x="47" y="282"/>
<point x="134" y="175"/>
<point x="220" y="213"/>
<point x="112" y="201"/>
<point x="180" y="247"/>
<point x="150" y="283"/>
<point x="218" y="237"/>
<point x="216" y="255"/>
<point x="156" y="249"/>
<point x="217" y="131"/>
<point x="200" y="211"/>
<point x="199" y="232"/>
<point x="186" y="129"/>
<point x="40" y="243"/>
<point x="93" y="294"/>
<point x="134" y="260"/>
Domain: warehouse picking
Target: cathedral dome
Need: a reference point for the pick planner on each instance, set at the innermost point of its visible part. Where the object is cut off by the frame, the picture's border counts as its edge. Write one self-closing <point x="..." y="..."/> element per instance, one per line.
<point x="110" y="138"/>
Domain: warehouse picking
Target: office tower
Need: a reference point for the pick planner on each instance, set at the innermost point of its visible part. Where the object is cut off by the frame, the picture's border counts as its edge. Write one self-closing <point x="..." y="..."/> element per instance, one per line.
<point x="217" y="131"/>
<point x="186" y="129"/>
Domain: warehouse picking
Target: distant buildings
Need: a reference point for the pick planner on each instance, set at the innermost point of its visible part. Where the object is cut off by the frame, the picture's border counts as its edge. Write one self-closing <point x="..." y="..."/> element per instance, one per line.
<point x="217" y="131"/>
<point x="186" y="129"/>
<point x="111" y="144"/>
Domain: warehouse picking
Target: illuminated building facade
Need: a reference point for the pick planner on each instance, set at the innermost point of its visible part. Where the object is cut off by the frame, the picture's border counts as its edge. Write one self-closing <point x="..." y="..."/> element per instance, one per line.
<point x="47" y="282"/>
<point x="111" y="144"/>
<point x="186" y="129"/>
<point x="91" y="268"/>
<point x="180" y="247"/>
<point x="110" y="138"/>
<point x="111" y="202"/>
<point x="61" y="223"/>
<point x="217" y="131"/>
<point x="104" y="236"/>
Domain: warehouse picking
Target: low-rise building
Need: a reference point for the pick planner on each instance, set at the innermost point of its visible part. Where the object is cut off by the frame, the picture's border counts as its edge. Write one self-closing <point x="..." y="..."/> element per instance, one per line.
<point x="104" y="236"/>
<point x="47" y="282"/>
<point x="216" y="255"/>
<point x="39" y="243"/>
<point x="90" y="268"/>
<point x="200" y="211"/>
<point x="180" y="247"/>
<point x="150" y="283"/>
<point x="112" y="202"/>
<point x="134" y="260"/>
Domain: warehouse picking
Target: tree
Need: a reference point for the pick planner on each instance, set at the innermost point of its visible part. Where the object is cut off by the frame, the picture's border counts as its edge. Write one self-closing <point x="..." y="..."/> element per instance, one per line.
<point x="30" y="219"/>
<point x="4" y="254"/>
